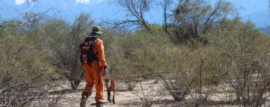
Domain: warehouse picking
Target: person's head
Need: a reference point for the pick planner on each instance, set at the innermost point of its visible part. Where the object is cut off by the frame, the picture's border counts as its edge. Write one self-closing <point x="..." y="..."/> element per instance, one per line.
<point x="96" y="30"/>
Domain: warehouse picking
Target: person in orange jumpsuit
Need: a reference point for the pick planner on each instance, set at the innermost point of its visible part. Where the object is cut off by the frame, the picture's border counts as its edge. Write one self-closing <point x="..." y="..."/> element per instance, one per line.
<point x="95" y="73"/>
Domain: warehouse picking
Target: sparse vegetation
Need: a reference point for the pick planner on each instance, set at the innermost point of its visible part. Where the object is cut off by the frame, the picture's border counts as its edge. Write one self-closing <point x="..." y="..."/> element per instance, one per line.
<point x="194" y="54"/>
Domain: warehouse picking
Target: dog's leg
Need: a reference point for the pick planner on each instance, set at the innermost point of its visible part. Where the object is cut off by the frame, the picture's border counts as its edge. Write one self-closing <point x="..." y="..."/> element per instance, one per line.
<point x="114" y="96"/>
<point x="109" y="95"/>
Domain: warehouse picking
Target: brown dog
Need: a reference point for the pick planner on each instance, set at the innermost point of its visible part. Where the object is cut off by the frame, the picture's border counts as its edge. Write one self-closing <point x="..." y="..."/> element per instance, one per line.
<point x="111" y="85"/>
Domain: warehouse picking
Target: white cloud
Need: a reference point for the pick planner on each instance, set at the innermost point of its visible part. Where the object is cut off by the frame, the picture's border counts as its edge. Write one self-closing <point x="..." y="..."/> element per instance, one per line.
<point x="18" y="2"/>
<point x="90" y="2"/>
<point x="82" y="1"/>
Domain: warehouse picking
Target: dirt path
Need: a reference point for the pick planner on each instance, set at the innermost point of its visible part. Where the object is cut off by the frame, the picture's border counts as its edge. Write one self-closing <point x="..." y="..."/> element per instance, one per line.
<point x="125" y="98"/>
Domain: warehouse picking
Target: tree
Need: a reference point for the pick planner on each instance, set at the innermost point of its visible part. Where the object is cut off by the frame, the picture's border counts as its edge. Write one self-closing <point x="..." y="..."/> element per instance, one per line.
<point x="165" y="4"/>
<point x="193" y="18"/>
<point x="137" y="10"/>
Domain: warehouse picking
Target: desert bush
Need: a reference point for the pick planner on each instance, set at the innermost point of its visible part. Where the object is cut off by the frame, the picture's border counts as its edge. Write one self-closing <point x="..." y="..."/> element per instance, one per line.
<point x="206" y="66"/>
<point x="175" y="72"/>
<point x="52" y="97"/>
<point x="148" y="56"/>
<point x="245" y="53"/>
<point x="124" y="73"/>
<point x="148" y="96"/>
<point x="24" y="70"/>
<point x="136" y="55"/>
<point x="185" y="70"/>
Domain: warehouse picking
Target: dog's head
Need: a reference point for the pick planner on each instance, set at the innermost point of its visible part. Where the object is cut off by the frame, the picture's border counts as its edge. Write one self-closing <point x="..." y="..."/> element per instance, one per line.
<point x="108" y="82"/>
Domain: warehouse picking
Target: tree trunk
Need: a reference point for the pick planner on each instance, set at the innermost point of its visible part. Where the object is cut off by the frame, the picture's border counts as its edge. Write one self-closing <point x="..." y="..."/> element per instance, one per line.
<point x="74" y="83"/>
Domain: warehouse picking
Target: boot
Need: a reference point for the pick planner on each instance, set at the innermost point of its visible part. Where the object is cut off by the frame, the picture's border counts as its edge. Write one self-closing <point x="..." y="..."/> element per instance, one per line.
<point x="83" y="101"/>
<point x="100" y="104"/>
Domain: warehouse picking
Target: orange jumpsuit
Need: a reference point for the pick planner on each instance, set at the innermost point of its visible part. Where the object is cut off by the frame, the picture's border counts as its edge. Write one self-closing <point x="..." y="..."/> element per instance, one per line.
<point x="94" y="75"/>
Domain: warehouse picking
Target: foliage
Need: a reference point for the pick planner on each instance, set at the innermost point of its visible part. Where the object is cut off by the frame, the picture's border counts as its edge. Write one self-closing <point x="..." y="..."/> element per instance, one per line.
<point x="136" y="54"/>
<point x="193" y="18"/>
<point x="217" y="52"/>
<point x="245" y="54"/>
<point x="24" y="70"/>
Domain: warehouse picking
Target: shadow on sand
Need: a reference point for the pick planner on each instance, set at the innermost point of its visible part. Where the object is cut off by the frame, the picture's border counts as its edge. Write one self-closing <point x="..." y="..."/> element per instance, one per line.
<point x="65" y="91"/>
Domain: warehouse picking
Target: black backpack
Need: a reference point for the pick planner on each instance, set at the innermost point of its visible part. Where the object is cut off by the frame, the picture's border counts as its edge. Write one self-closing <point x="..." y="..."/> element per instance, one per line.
<point x="87" y="50"/>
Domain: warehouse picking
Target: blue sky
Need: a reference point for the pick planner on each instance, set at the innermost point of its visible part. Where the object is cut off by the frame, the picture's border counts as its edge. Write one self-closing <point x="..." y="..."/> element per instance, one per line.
<point x="251" y="6"/>
<point x="256" y="10"/>
<point x="68" y="8"/>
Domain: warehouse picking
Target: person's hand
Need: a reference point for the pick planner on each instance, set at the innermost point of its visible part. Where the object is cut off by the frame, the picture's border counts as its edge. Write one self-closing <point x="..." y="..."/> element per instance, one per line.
<point x="104" y="72"/>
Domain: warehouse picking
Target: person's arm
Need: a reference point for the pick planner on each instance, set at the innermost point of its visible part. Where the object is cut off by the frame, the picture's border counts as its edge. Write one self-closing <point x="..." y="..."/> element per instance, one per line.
<point x="101" y="54"/>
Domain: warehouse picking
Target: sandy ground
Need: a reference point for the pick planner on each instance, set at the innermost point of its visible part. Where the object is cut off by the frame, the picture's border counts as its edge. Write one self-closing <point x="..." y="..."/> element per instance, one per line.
<point x="123" y="98"/>
<point x="135" y="98"/>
